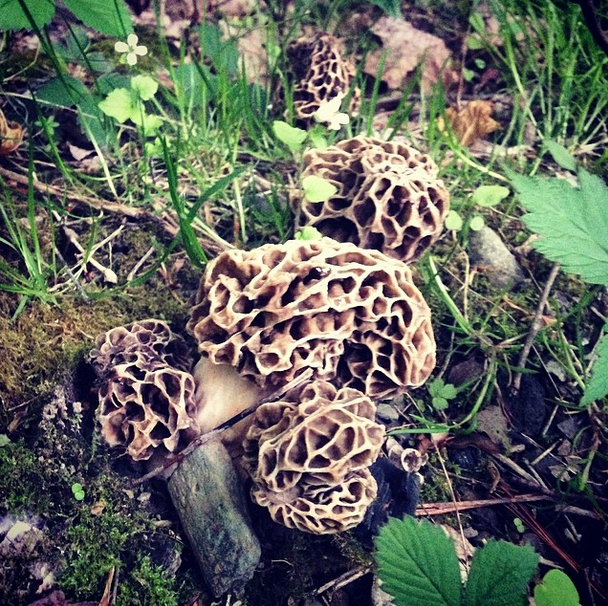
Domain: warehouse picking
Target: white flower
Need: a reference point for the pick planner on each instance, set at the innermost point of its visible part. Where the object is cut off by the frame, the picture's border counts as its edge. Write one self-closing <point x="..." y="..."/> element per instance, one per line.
<point x="131" y="48"/>
<point x="329" y="112"/>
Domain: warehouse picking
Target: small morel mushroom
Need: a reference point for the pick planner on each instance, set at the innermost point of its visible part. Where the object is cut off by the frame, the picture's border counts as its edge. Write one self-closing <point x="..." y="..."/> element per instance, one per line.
<point x="147" y="405"/>
<point x="309" y="454"/>
<point x="351" y="316"/>
<point x="146" y="397"/>
<point x="320" y="73"/>
<point x="388" y="197"/>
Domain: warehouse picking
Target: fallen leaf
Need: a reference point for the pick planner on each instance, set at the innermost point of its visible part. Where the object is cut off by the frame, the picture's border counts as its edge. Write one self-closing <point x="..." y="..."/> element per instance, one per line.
<point x="473" y="122"/>
<point x="11" y="135"/>
<point x="407" y="47"/>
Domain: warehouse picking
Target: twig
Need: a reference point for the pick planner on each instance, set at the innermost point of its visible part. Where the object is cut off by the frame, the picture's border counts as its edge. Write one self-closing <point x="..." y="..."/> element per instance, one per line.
<point x="536" y="326"/>
<point x="343" y="580"/>
<point x="214" y="433"/>
<point x="437" y="509"/>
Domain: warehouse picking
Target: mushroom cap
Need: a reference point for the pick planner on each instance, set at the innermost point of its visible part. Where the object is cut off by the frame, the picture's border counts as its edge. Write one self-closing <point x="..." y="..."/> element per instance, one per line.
<point x="320" y="73"/>
<point x="320" y="508"/>
<point x="146" y="396"/>
<point x="150" y="339"/>
<point x="146" y="410"/>
<point x="352" y="316"/>
<point x="308" y="456"/>
<point x="388" y="197"/>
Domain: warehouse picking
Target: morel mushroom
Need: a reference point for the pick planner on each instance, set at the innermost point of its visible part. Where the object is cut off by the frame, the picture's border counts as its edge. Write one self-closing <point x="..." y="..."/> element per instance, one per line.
<point x="146" y="397"/>
<point x="352" y="316"/>
<point x="308" y="456"/>
<point x="320" y="74"/>
<point x="147" y="405"/>
<point x="388" y="197"/>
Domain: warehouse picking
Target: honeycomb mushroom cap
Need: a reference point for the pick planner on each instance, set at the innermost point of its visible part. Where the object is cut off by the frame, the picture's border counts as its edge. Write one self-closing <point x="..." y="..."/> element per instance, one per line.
<point x="352" y="316"/>
<point x="146" y="398"/>
<point x="320" y="73"/>
<point x="150" y="339"/>
<point x="320" y="508"/>
<point x="308" y="456"/>
<point x="388" y="197"/>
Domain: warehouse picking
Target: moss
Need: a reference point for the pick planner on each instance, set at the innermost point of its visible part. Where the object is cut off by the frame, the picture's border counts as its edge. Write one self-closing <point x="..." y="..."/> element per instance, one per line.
<point x="45" y="341"/>
<point x="151" y="586"/>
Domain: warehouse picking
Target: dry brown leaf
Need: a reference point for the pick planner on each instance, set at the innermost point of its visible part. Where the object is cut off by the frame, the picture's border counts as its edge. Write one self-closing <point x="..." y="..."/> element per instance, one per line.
<point x="473" y="122"/>
<point x="406" y="47"/>
<point x="11" y="136"/>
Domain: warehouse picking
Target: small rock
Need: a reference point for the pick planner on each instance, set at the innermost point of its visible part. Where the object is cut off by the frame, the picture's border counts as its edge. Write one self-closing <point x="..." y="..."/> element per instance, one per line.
<point x="20" y="540"/>
<point x="489" y="253"/>
<point x="387" y="412"/>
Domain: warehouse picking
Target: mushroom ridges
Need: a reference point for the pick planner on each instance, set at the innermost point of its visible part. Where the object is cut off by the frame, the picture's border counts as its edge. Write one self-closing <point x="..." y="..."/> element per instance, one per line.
<point x="146" y="396"/>
<point x="320" y="73"/>
<point x="352" y="316"/>
<point x="388" y="197"/>
<point x="308" y="456"/>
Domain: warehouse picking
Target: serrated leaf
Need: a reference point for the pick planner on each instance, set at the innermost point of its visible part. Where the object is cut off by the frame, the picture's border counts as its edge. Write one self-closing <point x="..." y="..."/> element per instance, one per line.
<point x="144" y="86"/>
<point x="417" y="564"/>
<point x="118" y="104"/>
<point x="561" y="155"/>
<point x="13" y="17"/>
<point x="556" y="589"/>
<point x="598" y="384"/>
<point x="109" y="17"/>
<point x="499" y="575"/>
<point x="489" y="195"/>
<point x="572" y="222"/>
<point x="317" y="189"/>
<point x="292" y="137"/>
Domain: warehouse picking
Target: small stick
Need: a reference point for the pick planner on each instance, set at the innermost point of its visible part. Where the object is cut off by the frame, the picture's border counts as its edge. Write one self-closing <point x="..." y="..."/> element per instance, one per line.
<point x="210" y="435"/>
<point x="343" y="580"/>
<point x="438" y="509"/>
<point x="536" y="326"/>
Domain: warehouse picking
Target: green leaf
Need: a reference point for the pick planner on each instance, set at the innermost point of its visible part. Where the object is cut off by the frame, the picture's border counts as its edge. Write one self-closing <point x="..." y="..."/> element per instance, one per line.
<point x="556" y="589"/>
<point x="489" y="195"/>
<point x="308" y="232"/>
<point x="317" y="189"/>
<point x="144" y="86"/>
<point x="109" y="17"/>
<point x="453" y="221"/>
<point x="417" y="564"/>
<point x="598" y="384"/>
<point x="561" y="155"/>
<point x="4" y="440"/>
<point x="477" y="223"/>
<point x="499" y="575"/>
<point x="118" y="104"/>
<point x="13" y="17"/>
<point x="572" y="222"/>
<point x="292" y="137"/>
<point x="439" y="403"/>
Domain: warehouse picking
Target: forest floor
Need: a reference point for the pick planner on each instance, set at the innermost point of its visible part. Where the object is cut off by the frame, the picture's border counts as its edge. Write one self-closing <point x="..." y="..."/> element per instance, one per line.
<point x="116" y="191"/>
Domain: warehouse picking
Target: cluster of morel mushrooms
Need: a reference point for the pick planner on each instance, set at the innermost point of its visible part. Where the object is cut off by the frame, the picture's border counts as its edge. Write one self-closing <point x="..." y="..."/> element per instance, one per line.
<point x="342" y="310"/>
